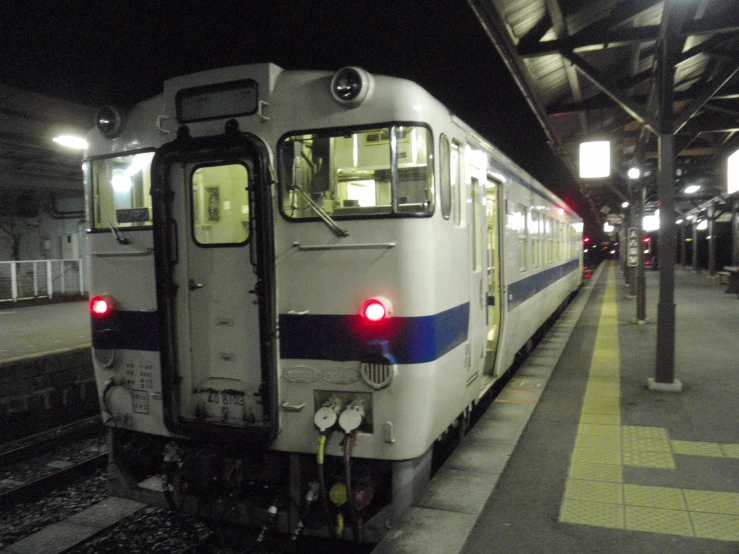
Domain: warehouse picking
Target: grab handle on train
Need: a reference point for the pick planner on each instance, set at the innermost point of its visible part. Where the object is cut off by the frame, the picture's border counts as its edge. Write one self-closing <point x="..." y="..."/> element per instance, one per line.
<point x="174" y="256"/>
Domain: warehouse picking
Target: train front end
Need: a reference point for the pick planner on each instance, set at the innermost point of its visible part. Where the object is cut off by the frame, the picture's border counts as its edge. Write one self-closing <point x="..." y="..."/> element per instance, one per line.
<point x="265" y="285"/>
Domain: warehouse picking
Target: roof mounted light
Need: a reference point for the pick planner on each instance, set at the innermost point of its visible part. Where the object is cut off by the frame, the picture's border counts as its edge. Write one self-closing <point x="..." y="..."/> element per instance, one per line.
<point x="109" y="121"/>
<point x="351" y="86"/>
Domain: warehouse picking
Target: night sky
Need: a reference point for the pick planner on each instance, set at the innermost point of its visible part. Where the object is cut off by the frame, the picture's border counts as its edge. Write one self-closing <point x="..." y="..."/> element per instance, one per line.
<point x="120" y="52"/>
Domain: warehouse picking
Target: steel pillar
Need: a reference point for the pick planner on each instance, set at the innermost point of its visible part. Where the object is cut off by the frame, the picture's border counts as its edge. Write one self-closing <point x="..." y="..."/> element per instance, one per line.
<point x="641" y="285"/>
<point x="711" y="241"/>
<point x="665" y="369"/>
<point x="735" y="231"/>
<point x="694" y="264"/>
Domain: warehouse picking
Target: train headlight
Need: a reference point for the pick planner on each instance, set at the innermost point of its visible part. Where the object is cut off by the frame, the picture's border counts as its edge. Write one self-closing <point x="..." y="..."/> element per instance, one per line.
<point x="351" y="86"/>
<point x="109" y="121"/>
<point x="102" y="306"/>
<point x="376" y="309"/>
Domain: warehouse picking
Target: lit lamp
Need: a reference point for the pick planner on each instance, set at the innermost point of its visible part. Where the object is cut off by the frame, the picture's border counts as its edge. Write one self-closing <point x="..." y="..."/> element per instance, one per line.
<point x="70" y="141"/>
<point x="651" y="222"/>
<point x="733" y="173"/>
<point x="595" y="159"/>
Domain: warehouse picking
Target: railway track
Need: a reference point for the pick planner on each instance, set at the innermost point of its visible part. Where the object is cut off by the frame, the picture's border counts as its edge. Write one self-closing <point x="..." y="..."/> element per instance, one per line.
<point x="34" y="465"/>
<point x="38" y="487"/>
<point x="34" y="445"/>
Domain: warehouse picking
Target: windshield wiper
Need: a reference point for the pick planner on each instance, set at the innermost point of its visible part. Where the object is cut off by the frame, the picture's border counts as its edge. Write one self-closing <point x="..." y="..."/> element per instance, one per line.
<point x="327" y="219"/>
<point x="116" y="233"/>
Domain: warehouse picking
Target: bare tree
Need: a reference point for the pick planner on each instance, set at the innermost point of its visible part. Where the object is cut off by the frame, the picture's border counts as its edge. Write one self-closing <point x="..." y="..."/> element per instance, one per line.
<point x="18" y="217"/>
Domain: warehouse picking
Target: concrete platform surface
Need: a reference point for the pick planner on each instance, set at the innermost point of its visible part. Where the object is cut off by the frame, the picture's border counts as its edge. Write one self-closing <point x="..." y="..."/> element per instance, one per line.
<point x="40" y="330"/>
<point x="602" y="463"/>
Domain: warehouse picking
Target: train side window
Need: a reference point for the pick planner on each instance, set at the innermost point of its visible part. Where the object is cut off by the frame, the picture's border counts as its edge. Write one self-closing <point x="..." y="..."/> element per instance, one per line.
<point x="534" y="218"/>
<point x="220" y="204"/>
<point x="459" y="193"/>
<point x="523" y="237"/>
<point x="561" y="240"/>
<point x="445" y="177"/>
<point x="477" y="209"/>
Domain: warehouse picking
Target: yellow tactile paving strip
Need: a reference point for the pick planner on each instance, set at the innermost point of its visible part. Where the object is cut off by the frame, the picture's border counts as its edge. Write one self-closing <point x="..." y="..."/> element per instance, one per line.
<point x="595" y="493"/>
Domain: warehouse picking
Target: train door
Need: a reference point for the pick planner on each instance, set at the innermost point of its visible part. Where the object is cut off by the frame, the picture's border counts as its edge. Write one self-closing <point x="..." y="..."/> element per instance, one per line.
<point x="494" y="297"/>
<point x="477" y="285"/>
<point x="215" y="265"/>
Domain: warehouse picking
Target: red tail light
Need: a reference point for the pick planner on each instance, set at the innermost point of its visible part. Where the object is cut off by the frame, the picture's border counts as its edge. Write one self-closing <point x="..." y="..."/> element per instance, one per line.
<point x="101" y="306"/>
<point x="376" y="309"/>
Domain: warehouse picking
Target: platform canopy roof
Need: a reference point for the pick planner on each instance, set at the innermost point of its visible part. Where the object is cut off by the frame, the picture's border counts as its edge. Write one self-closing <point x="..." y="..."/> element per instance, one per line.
<point x="29" y="158"/>
<point x="592" y="70"/>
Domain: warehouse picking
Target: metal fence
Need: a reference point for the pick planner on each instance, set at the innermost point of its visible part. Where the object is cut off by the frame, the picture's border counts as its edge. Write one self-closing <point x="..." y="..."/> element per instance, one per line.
<point x="28" y="279"/>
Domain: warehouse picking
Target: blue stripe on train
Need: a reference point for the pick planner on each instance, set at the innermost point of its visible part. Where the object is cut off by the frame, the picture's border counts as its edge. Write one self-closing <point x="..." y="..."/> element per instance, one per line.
<point x="127" y="331"/>
<point x="411" y="340"/>
<point x="522" y="290"/>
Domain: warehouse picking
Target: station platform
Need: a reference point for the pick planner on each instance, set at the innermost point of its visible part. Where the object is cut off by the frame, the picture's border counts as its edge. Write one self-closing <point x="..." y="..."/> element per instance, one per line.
<point x="42" y="329"/>
<point x="46" y="375"/>
<point x="577" y="454"/>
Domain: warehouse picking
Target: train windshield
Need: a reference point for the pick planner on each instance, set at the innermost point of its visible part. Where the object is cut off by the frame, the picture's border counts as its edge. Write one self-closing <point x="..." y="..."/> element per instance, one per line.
<point x="357" y="173"/>
<point x="120" y="191"/>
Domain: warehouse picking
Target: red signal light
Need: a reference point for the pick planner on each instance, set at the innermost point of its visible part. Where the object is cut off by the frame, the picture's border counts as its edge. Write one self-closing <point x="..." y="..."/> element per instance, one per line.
<point x="586" y="240"/>
<point x="646" y="240"/>
<point x="101" y="306"/>
<point x="376" y="309"/>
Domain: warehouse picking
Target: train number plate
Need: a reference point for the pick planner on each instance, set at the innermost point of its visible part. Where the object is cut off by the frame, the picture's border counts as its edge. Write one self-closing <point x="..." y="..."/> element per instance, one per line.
<point x="225" y="399"/>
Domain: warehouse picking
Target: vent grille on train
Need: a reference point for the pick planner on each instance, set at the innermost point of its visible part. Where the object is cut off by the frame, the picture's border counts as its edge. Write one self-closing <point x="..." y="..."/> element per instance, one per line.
<point x="377" y="371"/>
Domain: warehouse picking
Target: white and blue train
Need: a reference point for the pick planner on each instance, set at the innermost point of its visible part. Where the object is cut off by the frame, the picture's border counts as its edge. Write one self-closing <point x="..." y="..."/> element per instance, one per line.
<point x="299" y="281"/>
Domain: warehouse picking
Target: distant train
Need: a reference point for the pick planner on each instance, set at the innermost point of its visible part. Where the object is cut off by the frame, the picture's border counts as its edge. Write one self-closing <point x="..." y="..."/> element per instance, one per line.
<point x="300" y="280"/>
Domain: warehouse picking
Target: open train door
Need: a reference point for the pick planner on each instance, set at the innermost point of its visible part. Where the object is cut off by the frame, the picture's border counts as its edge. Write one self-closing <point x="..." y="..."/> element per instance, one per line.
<point x="494" y="297"/>
<point x="213" y="239"/>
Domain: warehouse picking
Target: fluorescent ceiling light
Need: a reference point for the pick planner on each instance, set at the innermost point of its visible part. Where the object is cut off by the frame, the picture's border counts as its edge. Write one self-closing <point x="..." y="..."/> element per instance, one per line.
<point x="595" y="159"/>
<point x="733" y="173"/>
<point x="651" y="222"/>
<point x="71" y="142"/>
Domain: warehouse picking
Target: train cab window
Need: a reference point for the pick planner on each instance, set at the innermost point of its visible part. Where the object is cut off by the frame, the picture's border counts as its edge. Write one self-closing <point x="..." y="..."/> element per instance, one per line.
<point x="120" y="188"/>
<point x="357" y="173"/>
<point x="220" y="205"/>
<point x="445" y="177"/>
